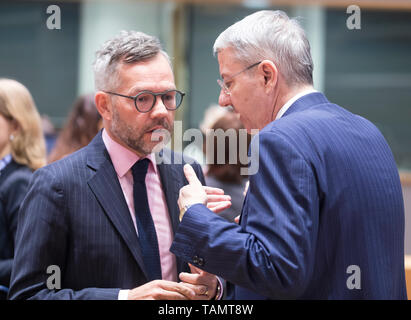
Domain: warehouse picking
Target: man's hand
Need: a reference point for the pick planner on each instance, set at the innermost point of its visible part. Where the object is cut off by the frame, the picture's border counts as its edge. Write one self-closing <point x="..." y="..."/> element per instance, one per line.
<point x="202" y="282"/>
<point x="217" y="201"/>
<point x="194" y="193"/>
<point x="164" y="290"/>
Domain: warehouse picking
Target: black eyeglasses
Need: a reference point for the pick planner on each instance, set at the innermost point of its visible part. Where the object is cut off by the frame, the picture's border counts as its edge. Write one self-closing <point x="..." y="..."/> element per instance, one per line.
<point x="145" y="100"/>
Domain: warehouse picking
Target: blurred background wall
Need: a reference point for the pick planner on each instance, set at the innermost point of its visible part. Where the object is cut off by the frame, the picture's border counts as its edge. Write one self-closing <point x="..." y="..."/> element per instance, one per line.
<point x="366" y="70"/>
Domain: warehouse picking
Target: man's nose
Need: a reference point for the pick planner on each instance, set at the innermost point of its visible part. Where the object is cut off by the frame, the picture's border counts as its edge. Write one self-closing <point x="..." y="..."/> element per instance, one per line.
<point x="224" y="99"/>
<point x="159" y="110"/>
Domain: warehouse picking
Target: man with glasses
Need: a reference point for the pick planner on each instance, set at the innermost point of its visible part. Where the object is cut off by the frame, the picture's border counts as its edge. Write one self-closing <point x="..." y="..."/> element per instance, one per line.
<point x="104" y="217"/>
<point x="323" y="217"/>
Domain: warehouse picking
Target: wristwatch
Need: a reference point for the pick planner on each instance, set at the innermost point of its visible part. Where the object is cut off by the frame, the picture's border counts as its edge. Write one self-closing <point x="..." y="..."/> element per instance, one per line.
<point x="183" y="211"/>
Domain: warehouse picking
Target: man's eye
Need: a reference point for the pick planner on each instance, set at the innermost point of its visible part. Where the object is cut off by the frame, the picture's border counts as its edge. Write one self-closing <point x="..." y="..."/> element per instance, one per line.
<point x="169" y="96"/>
<point x="143" y="98"/>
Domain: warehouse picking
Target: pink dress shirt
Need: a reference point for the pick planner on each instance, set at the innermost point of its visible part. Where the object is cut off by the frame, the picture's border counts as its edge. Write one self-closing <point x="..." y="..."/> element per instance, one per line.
<point x="123" y="159"/>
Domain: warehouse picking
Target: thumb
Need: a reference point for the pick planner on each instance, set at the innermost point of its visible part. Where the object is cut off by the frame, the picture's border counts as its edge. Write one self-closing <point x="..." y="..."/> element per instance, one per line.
<point x="191" y="175"/>
<point x="194" y="269"/>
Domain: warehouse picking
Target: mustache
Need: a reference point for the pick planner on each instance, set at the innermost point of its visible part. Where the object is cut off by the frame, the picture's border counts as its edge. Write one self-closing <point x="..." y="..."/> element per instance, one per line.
<point x="162" y="123"/>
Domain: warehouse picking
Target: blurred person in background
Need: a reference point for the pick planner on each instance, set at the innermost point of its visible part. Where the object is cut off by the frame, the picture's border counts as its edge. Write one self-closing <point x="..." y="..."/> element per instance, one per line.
<point x="196" y="150"/>
<point x="82" y="124"/>
<point x="49" y="132"/>
<point x="22" y="150"/>
<point x="226" y="176"/>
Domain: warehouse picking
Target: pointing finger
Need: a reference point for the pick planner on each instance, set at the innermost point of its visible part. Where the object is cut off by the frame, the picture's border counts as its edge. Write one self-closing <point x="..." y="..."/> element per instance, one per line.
<point x="191" y="175"/>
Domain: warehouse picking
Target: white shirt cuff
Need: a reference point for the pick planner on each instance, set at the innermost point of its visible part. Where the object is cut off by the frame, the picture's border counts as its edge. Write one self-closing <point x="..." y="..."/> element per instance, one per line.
<point x="123" y="295"/>
<point x="220" y="294"/>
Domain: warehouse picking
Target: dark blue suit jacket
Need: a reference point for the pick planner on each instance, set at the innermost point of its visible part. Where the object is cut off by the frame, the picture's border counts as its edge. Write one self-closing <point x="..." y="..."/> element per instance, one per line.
<point x="14" y="179"/>
<point x="326" y="197"/>
<point x="75" y="216"/>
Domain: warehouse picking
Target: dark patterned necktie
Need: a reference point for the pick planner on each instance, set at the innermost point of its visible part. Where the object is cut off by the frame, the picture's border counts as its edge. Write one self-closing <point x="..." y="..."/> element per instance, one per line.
<point x="145" y="225"/>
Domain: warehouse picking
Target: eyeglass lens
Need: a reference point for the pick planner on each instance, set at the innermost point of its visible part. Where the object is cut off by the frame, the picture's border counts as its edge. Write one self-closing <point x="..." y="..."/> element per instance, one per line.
<point x="146" y="100"/>
<point x="222" y="85"/>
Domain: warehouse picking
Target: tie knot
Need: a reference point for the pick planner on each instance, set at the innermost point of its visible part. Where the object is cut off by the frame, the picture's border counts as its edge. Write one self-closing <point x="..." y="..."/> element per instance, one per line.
<point x="139" y="169"/>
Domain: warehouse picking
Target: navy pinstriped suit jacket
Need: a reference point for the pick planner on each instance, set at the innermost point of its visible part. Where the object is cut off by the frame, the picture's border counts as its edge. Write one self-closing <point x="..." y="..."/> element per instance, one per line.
<point x="75" y="216"/>
<point x="327" y="196"/>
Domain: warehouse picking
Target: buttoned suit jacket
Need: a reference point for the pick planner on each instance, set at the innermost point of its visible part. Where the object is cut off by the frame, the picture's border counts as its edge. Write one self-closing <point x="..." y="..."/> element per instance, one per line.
<point x="323" y="217"/>
<point x="75" y="217"/>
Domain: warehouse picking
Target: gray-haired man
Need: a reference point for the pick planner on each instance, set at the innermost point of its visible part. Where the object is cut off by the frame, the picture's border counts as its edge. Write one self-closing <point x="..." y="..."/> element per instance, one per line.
<point x="105" y="216"/>
<point x="323" y="217"/>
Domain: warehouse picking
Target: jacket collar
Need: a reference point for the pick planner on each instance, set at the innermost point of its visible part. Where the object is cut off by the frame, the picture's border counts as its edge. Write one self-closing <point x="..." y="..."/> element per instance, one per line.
<point x="306" y="102"/>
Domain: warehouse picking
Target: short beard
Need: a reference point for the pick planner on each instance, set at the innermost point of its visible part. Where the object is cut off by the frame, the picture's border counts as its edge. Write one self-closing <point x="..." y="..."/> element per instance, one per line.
<point x="133" y="138"/>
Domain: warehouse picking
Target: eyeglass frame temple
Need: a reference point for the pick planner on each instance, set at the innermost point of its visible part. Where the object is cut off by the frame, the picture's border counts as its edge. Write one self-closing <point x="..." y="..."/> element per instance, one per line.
<point x="224" y="86"/>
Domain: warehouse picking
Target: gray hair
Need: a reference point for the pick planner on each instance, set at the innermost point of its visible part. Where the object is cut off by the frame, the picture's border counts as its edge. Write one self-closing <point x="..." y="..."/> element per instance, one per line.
<point x="127" y="47"/>
<point x="271" y="35"/>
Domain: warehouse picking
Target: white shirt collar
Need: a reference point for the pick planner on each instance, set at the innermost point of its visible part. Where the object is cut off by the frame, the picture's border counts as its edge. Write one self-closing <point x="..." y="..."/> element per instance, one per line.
<point x="122" y="158"/>
<point x="288" y="104"/>
<point x="5" y="161"/>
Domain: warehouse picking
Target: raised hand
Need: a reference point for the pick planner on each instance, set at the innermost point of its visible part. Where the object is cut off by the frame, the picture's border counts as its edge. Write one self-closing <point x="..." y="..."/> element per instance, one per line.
<point x="195" y="192"/>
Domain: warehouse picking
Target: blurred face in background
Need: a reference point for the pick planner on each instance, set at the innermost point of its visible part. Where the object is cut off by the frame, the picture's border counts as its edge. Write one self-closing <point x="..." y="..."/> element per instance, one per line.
<point x="130" y="127"/>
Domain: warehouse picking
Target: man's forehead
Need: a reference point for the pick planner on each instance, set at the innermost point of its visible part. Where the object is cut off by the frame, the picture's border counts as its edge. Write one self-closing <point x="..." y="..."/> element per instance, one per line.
<point x="224" y="55"/>
<point x="153" y="86"/>
<point x="157" y="63"/>
<point x="143" y="74"/>
<point x="228" y="62"/>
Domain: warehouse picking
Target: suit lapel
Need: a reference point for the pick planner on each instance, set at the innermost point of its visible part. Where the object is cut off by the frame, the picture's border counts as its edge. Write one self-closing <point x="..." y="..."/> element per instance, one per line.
<point x="106" y="187"/>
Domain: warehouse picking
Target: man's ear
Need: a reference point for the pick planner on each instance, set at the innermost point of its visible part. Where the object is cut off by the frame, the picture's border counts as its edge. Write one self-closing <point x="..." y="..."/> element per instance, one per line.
<point x="270" y="72"/>
<point x="103" y="104"/>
